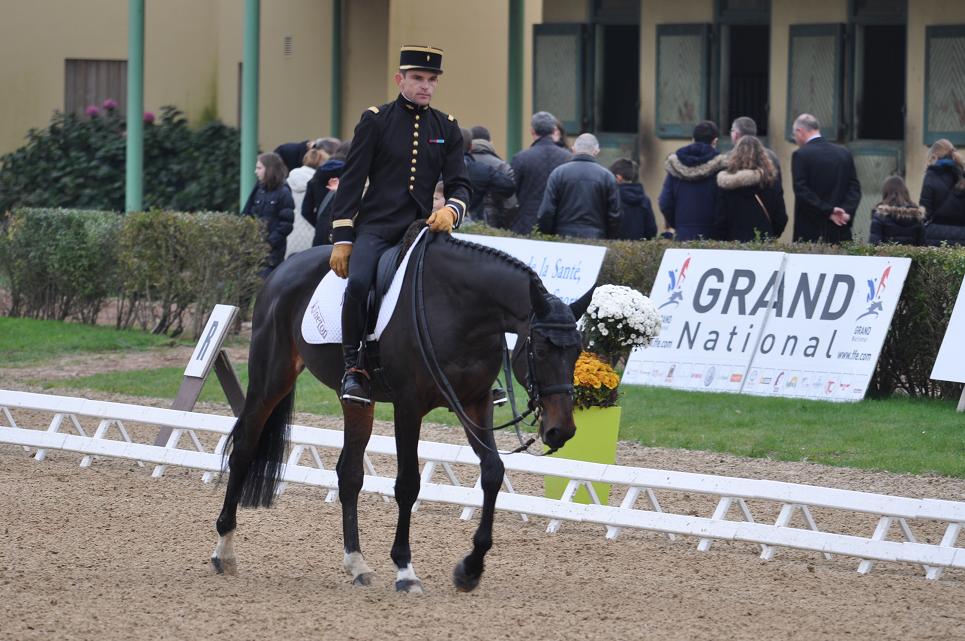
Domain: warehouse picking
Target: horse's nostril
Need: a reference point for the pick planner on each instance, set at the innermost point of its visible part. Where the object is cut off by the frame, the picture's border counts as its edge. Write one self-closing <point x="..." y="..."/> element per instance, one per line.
<point x="553" y="437"/>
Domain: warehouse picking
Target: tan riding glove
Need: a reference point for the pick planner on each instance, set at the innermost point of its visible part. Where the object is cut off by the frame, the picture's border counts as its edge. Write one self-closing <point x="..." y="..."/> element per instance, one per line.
<point x="339" y="260"/>
<point x="442" y="219"/>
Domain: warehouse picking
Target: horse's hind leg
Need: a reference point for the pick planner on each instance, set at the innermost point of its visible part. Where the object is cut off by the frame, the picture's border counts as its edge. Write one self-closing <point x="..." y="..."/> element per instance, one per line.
<point x="407" y="481"/>
<point x="257" y="444"/>
<point x="469" y="571"/>
<point x="350" y="468"/>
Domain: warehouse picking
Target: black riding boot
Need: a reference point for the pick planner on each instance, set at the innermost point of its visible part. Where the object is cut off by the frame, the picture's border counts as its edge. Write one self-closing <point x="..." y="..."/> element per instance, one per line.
<point x="355" y="383"/>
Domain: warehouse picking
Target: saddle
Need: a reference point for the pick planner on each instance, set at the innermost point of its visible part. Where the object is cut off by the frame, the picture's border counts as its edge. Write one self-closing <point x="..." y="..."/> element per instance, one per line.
<point x="322" y="322"/>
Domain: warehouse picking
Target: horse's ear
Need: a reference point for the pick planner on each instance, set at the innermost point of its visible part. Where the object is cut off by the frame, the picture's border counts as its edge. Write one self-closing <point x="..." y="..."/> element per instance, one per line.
<point x="537" y="296"/>
<point x="579" y="306"/>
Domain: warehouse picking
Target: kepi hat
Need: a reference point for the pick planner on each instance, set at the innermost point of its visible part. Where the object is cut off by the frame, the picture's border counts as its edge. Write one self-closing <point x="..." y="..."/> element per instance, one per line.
<point x="420" y="57"/>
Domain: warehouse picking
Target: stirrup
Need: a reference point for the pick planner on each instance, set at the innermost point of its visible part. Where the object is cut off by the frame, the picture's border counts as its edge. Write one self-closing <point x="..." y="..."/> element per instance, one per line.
<point x="499" y="396"/>
<point x="355" y="398"/>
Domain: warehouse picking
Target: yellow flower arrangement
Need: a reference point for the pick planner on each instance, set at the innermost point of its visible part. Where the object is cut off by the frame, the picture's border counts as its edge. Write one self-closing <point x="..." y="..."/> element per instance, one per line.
<point x="594" y="381"/>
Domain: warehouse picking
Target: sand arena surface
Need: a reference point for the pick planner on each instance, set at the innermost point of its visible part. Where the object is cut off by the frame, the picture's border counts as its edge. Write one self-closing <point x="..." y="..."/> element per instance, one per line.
<point x="110" y="553"/>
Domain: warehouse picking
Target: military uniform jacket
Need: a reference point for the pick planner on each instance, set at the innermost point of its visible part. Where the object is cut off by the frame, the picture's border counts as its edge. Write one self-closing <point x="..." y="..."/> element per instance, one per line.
<point x="402" y="149"/>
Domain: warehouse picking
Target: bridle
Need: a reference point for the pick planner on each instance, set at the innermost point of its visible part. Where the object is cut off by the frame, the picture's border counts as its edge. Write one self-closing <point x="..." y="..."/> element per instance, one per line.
<point x="534" y="390"/>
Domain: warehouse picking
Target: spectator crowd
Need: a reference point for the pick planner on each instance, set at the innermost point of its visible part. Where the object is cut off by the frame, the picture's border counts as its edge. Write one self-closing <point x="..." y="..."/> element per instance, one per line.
<point x="564" y="190"/>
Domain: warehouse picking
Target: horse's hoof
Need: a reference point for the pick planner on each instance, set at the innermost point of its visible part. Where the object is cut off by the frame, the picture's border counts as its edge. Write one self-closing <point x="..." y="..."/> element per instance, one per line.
<point x="224" y="566"/>
<point x="366" y="578"/>
<point x="464" y="581"/>
<point x="410" y="586"/>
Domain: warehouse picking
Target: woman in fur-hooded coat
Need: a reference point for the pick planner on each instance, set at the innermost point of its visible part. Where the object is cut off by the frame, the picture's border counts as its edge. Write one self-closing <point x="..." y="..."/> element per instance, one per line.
<point x="689" y="195"/>
<point x="896" y="219"/>
<point x="749" y="204"/>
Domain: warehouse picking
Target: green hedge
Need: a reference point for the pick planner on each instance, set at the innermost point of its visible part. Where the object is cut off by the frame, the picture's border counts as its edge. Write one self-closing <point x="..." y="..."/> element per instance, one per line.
<point x="916" y="330"/>
<point x="158" y="266"/>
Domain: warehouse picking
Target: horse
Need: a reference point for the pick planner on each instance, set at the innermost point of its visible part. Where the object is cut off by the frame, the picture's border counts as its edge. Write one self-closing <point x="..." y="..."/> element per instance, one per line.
<point x="442" y="348"/>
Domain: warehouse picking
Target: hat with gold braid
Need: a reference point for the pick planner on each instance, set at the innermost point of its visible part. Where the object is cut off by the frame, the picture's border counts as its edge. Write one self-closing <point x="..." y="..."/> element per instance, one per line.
<point x="419" y="57"/>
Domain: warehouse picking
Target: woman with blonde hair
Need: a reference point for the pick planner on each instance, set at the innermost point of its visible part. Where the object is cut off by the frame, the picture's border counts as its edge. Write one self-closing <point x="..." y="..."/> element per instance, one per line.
<point x="302" y="233"/>
<point x="896" y="219"/>
<point x="749" y="202"/>
<point x="943" y="195"/>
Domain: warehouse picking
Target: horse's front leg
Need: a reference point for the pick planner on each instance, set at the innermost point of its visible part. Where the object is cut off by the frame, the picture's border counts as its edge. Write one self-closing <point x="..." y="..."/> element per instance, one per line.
<point x="408" y="423"/>
<point x="350" y="469"/>
<point x="469" y="571"/>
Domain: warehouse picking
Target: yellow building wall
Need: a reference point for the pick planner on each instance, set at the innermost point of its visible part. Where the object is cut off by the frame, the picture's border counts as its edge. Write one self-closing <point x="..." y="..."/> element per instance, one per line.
<point x="653" y="150"/>
<point x="365" y="55"/>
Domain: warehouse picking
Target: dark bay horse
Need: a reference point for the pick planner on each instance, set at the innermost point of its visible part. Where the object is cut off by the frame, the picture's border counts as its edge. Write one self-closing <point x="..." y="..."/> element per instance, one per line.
<point x="469" y="295"/>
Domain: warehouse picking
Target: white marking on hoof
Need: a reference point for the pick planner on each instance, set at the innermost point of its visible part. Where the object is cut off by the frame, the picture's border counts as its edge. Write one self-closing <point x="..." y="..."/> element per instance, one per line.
<point x="407" y="581"/>
<point x="354" y="563"/>
<point x="223" y="558"/>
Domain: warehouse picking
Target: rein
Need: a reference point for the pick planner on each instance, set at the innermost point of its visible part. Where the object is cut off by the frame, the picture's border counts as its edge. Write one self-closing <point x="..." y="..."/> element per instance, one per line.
<point x="429" y="359"/>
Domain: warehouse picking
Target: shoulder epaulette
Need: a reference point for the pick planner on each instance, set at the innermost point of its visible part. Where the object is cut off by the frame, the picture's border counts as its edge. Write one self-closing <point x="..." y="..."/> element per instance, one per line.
<point x="451" y="117"/>
<point x="374" y="109"/>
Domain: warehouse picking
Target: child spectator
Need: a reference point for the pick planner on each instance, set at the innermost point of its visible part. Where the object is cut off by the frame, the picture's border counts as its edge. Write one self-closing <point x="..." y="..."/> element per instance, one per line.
<point x="438" y="197"/>
<point x="896" y="219"/>
<point x="271" y="202"/>
<point x="637" y="221"/>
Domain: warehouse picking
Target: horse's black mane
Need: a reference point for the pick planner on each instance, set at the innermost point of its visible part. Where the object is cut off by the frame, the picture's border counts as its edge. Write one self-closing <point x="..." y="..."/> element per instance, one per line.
<point x="512" y="261"/>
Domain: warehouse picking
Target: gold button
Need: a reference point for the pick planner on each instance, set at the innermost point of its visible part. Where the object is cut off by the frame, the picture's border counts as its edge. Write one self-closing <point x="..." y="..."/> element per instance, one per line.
<point x="413" y="161"/>
<point x="415" y="134"/>
<point x="413" y="170"/>
<point x="417" y="125"/>
<point x="417" y="116"/>
<point x="415" y="143"/>
<point x="411" y="179"/>
<point x="415" y="152"/>
<point x="411" y="187"/>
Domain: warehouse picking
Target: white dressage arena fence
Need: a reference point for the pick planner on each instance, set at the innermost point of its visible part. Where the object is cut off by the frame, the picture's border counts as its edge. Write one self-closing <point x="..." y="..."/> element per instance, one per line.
<point x="637" y="483"/>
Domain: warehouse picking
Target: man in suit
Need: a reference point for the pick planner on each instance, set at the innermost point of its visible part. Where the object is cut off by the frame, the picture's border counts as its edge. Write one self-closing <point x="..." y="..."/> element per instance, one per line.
<point x="826" y="187"/>
<point x="401" y="148"/>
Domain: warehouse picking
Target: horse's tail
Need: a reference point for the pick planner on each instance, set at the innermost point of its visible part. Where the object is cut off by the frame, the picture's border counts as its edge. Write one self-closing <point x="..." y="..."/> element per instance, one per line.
<point x="264" y="471"/>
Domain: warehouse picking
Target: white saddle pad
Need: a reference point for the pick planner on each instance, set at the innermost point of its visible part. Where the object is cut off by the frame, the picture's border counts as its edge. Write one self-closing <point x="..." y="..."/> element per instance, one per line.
<point x="322" y="322"/>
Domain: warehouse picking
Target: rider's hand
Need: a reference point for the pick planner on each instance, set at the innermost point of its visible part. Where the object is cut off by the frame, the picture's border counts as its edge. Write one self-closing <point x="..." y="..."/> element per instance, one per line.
<point x="442" y="219"/>
<point x="339" y="260"/>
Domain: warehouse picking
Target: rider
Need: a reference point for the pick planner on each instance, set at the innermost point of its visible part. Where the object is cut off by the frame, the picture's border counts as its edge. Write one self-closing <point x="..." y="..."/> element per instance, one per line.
<point x="401" y="148"/>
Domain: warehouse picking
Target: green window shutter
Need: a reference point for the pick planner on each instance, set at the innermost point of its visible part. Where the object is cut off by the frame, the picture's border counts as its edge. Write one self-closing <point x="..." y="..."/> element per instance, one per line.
<point x="814" y="76"/>
<point x="945" y="84"/>
<point x="682" y="78"/>
<point x="559" y="72"/>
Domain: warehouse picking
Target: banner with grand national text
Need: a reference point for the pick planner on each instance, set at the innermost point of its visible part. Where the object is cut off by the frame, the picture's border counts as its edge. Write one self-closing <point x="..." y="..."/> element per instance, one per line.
<point x="768" y="323"/>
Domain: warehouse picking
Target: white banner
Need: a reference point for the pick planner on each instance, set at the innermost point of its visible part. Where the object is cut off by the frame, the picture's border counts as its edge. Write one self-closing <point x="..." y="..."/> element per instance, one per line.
<point x="950" y="364"/>
<point x="712" y="305"/>
<point x="568" y="270"/>
<point x="828" y="323"/>
<point x="768" y="323"/>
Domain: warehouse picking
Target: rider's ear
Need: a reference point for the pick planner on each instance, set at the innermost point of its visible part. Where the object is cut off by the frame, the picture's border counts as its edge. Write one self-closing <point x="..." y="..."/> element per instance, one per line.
<point x="537" y="296"/>
<point x="578" y="307"/>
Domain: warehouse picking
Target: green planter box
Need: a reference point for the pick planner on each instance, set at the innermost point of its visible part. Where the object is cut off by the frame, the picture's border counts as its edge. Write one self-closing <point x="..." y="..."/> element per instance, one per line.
<point x="597" y="432"/>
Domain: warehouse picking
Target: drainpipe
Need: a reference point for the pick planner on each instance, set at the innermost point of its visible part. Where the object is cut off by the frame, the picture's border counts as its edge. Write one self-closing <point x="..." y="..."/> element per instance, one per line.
<point x="514" y="93"/>
<point x="134" y="170"/>
<point x="249" y="98"/>
<point x="336" y="88"/>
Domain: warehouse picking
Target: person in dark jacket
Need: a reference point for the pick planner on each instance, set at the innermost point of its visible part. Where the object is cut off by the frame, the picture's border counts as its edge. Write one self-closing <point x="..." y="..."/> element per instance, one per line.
<point x="532" y="168"/>
<point x="581" y="198"/>
<point x="944" y="176"/>
<point x="746" y="126"/>
<point x="689" y="196"/>
<point x="749" y="205"/>
<point x="826" y="187"/>
<point x="896" y="219"/>
<point x="319" y="196"/>
<point x="637" y="221"/>
<point x="493" y="182"/>
<point x="292" y="153"/>
<point x="271" y="202"/>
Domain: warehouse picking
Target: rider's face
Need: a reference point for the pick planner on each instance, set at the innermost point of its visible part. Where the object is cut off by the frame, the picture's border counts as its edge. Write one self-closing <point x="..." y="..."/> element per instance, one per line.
<point x="417" y="85"/>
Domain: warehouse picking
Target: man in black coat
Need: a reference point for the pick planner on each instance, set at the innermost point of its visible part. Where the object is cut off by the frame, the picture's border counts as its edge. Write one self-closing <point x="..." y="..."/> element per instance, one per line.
<point x="581" y="197"/>
<point x="401" y="148"/>
<point x="826" y="187"/>
<point x="493" y="181"/>
<point x="533" y="167"/>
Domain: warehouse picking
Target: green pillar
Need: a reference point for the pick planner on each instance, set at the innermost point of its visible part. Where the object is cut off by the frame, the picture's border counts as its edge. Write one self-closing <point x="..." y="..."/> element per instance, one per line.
<point x="249" y="97"/>
<point x="336" y="88"/>
<point x="134" y="171"/>
<point x="514" y="93"/>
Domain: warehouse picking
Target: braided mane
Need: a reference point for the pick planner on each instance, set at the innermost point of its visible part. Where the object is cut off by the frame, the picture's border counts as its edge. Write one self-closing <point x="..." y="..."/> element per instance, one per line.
<point x="512" y="261"/>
